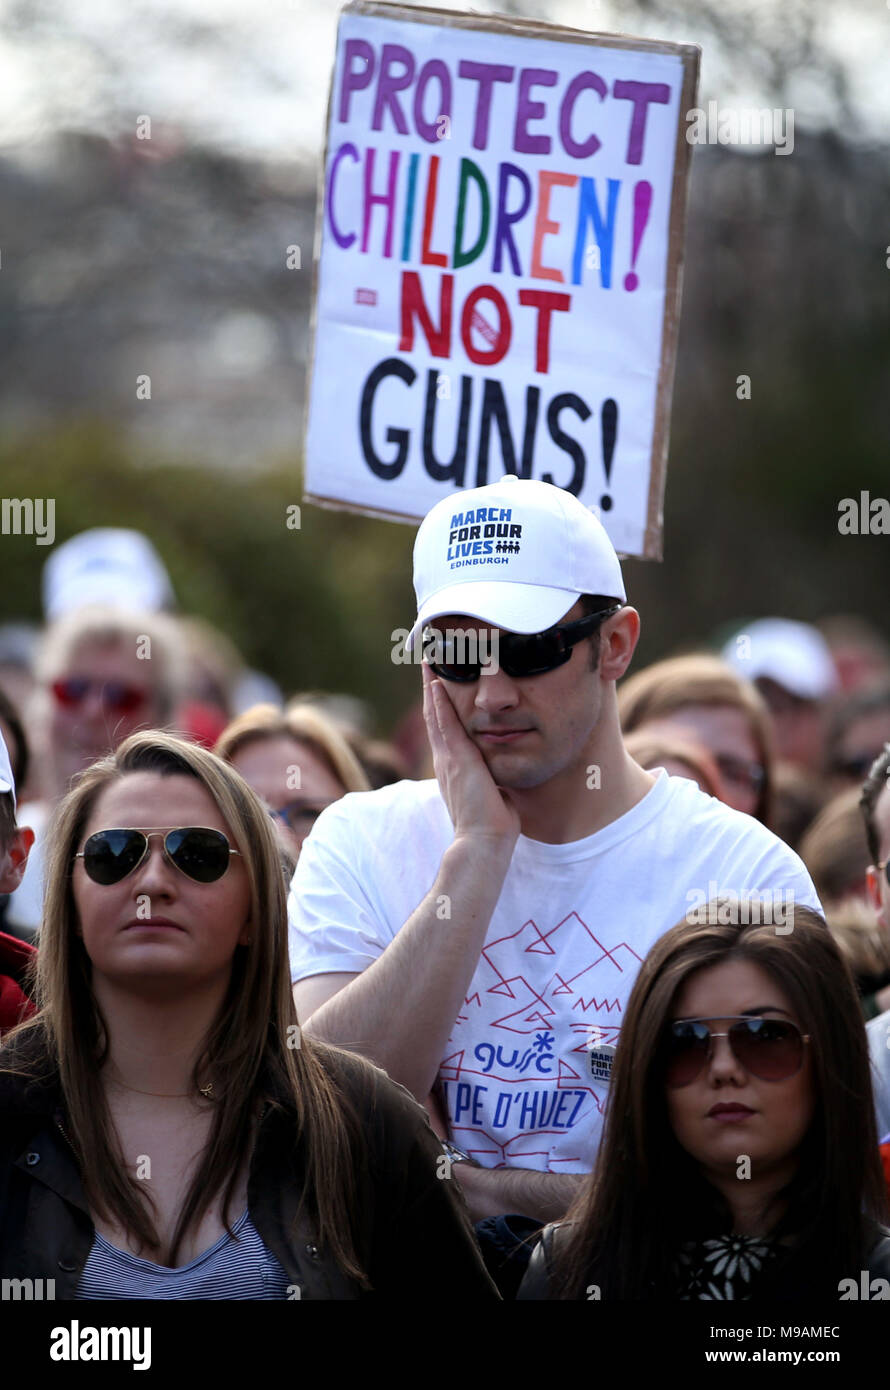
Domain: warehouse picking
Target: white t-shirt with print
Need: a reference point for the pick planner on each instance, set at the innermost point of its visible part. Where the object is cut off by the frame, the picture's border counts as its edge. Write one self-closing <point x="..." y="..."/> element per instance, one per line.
<point x="566" y="939"/>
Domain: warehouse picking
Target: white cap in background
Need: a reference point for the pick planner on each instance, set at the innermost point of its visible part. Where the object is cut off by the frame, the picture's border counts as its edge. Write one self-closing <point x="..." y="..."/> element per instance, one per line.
<point x="105" y="565"/>
<point x="794" y="655"/>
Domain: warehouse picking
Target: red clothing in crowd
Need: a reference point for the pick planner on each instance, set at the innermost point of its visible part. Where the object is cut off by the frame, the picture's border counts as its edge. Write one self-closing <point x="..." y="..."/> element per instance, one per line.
<point x="15" y="1005"/>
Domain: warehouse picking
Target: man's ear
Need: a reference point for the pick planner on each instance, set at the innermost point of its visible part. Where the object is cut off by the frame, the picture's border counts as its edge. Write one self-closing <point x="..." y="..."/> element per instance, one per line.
<point x="618" y="639"/>
<point x="12" y="863"/>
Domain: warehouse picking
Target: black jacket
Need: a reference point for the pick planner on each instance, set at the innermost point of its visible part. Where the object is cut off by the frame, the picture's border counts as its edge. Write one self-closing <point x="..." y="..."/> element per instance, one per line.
<point x="536" y="1283"/>
<point x="415" y="1240"/>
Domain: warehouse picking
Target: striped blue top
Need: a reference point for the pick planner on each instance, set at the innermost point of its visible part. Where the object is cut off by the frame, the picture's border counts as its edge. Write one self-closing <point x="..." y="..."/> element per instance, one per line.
<point x="239" y="1267"/>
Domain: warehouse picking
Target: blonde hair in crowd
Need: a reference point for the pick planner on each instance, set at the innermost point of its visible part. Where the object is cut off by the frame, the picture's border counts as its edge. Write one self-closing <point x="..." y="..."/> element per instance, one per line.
<point x="302" y="724"/>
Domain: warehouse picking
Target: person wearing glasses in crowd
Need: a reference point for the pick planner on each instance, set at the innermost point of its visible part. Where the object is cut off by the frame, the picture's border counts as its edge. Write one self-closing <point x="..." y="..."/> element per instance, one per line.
<point x="699" y="696"/>
<point x="297" y="761"/>
<point x="479" y="932"/>
<point x="102" y="673"/>
<point x="165" y="1129"/>
<point x="739" y="1156"/>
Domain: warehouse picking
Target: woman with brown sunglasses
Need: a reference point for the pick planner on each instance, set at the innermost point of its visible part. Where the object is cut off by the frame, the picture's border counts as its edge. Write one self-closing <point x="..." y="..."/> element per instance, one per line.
<point x="739" y="1157"/>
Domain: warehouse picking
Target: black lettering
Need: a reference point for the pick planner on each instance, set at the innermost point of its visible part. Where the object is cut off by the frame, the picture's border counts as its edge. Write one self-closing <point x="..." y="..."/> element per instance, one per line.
<point x="567" y="400"/>
<point x="391" y="366"/>
<point x="494" y="406"/>
<point x="455" y="468"/>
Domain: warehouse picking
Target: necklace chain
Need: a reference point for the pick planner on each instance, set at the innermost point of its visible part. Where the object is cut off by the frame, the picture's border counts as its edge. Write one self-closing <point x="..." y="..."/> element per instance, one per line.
<point x="206" y="1091"/>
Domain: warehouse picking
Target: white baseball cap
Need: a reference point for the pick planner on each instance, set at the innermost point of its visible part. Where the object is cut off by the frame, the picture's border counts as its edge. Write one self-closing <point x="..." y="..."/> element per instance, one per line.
<point x="515" y="554"/>
<point x="794" y="655"/>
<point x="7" y="781"/>
<point x="105" y="565"/>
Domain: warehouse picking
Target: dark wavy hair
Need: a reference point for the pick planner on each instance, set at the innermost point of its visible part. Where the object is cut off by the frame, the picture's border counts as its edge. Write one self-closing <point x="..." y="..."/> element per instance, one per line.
<point x="647" y="1196"/>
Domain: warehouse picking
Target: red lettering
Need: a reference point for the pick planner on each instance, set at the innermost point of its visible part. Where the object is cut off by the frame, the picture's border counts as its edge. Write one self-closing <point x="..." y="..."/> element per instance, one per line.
<point x="428" y="257"/>
<point x="413" y="306"/>
<point x="546" y="302"/>
<point x="501" y="343"/>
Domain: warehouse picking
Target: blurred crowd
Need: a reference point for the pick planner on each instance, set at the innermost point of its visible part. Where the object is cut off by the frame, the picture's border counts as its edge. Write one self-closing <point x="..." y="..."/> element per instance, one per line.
<point x="788" y="735"/>
<point x="786" y="722"/>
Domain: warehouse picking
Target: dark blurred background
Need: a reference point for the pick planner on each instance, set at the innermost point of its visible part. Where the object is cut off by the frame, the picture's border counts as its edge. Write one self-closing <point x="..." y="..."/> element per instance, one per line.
<point x="167" y="256"/>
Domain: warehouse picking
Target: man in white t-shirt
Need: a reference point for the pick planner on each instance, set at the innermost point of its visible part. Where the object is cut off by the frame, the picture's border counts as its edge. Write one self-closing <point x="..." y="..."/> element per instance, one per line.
<point x="480" y="933"/>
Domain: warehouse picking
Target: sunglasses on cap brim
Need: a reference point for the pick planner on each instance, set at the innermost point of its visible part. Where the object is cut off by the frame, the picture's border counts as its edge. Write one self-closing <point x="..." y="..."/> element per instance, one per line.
<point x="518" y="654"/>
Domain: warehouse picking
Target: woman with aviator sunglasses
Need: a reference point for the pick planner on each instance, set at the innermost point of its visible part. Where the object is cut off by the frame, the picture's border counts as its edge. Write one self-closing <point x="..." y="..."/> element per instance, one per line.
<point x="739" y="1156"/>
<point x="165" y="1129"/>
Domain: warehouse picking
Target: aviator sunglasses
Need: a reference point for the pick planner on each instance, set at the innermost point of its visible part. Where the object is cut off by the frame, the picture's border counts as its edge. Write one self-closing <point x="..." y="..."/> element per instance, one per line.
<point x="769" y="1048"/>
<point x="198" y="852"/>
<point x="516" y="653"/>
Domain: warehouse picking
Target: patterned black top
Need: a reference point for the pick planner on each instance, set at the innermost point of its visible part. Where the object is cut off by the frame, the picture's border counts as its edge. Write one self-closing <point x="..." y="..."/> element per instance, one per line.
<point x="727" y="1267"/>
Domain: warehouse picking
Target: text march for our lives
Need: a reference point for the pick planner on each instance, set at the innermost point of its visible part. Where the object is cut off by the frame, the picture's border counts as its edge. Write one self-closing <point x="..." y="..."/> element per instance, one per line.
<point x="499" y="255"/>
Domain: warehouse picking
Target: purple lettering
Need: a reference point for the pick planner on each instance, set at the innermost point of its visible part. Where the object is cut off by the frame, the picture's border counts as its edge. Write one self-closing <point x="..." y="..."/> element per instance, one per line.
<point x="486" y="74"/>
<point x="640" y="93"/>
<point x="355" y="77"/>
<point x="388" y="84"/>
<point x="528" y="110"/>
<point x="435" y="68"/>
<point x="583" y="81"/>
<point x="343" y="239"/>
<point x="505" y="219"/>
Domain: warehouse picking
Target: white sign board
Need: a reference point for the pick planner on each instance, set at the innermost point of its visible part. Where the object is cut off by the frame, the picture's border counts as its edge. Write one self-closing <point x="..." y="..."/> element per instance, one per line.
<point x="498" y="267"/>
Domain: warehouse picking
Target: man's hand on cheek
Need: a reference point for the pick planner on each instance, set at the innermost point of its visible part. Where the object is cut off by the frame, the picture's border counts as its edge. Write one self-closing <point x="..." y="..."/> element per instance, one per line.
<point x="475" y="804"/>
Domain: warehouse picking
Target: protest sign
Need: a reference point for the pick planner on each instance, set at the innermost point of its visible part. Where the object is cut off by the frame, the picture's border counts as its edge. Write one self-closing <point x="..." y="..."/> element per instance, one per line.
<point x="498" y="264"/>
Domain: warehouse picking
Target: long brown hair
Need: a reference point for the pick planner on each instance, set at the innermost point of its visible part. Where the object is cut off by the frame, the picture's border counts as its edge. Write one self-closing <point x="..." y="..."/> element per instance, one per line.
<point x="254" y="1044"/>
<point x="646" y="1195"/>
